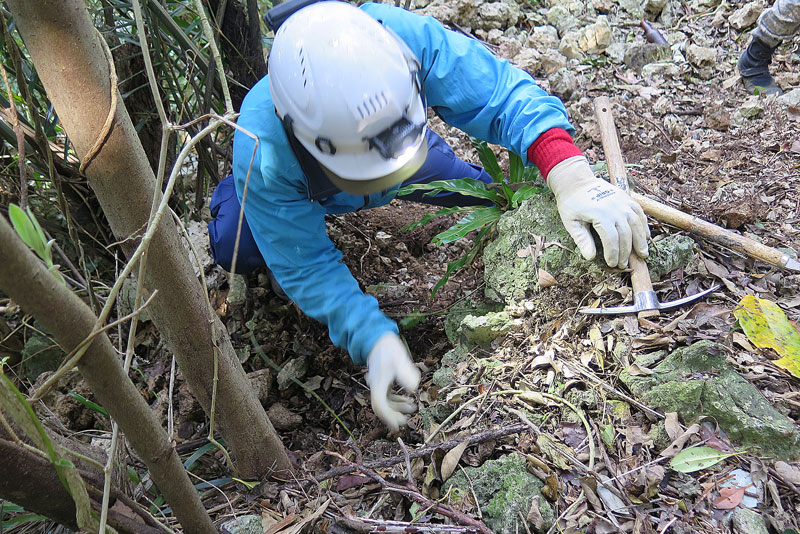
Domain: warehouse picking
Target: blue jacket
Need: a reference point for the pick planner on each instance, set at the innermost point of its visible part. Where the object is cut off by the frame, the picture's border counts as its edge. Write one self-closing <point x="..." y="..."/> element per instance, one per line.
<point x="470" y="89"/>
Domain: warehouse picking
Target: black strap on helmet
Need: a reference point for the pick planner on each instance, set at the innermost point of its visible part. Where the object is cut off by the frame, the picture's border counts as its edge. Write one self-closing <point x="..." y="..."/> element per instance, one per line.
<point x="278" y="14"/>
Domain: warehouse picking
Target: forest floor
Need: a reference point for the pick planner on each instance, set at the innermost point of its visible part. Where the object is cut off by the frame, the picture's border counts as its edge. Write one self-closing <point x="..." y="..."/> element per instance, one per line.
<point x="698" y="142"/>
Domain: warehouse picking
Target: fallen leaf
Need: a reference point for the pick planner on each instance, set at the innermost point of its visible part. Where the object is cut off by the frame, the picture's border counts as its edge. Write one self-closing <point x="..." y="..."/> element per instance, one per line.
<point x="729" y="497"/>
<point x="351" y="481"/>
<point x="766" y="326"/>
<point x="789" y="473"/>
<point x="546" y="279"/>
<point x="677" y="445"/>
<point x="672" y="425"/>
<point x="697" y="458"/>
<point x="638" y="370"/>
<point x="451" y="459"/>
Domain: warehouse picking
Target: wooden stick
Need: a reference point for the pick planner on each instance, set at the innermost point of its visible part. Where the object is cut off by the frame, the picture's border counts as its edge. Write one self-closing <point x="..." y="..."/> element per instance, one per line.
<point x="714" y="233"/>
<point x="640" y="274"/>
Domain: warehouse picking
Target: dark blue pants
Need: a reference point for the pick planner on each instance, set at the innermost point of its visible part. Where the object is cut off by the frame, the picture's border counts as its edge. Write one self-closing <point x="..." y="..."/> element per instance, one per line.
<point x="441" y="164"/>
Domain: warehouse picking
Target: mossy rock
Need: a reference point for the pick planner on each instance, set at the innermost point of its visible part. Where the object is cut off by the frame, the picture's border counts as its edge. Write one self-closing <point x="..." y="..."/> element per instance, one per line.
<point x="672" y="252"/>
<point x="446" y="374"/>
<point x="504" y="490"/>
<point x="510" y="278"/>
<point x="461" y="309"/>
<point x="40" y="354"/>
<point x="482" y="330"/>
<point x="697" y="380"/>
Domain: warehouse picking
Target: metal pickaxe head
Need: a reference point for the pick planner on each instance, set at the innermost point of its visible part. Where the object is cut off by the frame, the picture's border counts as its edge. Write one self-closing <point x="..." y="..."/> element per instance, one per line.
<point x="647" y="300"/>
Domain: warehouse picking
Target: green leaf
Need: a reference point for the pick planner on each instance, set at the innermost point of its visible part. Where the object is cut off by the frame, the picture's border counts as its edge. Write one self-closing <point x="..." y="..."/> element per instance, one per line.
<point x="197" y="454"/>
<point x="410" y="321"/>
<point x="428" y="217"/>
<point x="248" y="485"/>
<point x="466" y="259"/>
<point x="465" y="186"/>
<point x="42" y="238"/>
<point x="697" y="458"/>
<point x="23" y="225"/>
<point x="767" y="327"/>
<point x="473" y="221"/>
<point x="89" y="404"/>
<point x="516" y="169"/>
<point x="524" y="193"/>
<point x="488" y="159"/>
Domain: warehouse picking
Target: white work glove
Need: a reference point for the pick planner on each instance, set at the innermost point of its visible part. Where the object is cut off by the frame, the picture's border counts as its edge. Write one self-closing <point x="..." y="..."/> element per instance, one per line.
<point x="584" y="199"/>
<point x="389" y="362"/>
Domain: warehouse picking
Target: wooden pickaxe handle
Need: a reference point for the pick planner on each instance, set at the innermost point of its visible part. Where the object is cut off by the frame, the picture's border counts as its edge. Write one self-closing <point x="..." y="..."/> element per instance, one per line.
<point x="717" y="234"/>
<point x="640" y="275"/>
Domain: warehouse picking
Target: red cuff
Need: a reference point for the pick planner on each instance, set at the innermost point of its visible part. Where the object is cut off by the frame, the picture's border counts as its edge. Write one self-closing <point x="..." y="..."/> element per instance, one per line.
<point x="551" y="148"/>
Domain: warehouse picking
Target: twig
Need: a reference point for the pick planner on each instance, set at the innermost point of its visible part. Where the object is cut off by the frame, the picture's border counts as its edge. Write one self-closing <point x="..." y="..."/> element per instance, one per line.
<point x="409" y="475"/>
<point x="417" y="497"/>
<point x="16" y="126"/>
<point x="417" y="453"/>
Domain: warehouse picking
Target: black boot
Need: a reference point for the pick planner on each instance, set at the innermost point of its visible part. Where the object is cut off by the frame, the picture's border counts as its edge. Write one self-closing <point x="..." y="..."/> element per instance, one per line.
<point x="754" y="69"/>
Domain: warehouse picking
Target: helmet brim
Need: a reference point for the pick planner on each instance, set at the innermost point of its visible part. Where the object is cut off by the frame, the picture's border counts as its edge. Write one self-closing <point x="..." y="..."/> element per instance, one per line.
<point x="386" y="182"/>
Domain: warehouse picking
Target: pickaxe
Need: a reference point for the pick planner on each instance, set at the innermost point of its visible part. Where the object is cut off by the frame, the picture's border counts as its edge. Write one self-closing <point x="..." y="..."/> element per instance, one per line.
<point x="645" y="301"/>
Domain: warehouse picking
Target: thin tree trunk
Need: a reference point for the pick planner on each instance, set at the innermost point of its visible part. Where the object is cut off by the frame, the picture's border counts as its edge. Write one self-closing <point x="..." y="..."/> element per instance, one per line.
<point x="70" y="60"/>
<point x="31" y="481"/>
<point x="241" y="47"/>
<point x="26" y="280"/>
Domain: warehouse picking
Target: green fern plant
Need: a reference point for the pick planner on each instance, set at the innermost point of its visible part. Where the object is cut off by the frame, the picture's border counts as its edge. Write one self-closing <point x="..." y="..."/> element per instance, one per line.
<point x="507" y="193"/>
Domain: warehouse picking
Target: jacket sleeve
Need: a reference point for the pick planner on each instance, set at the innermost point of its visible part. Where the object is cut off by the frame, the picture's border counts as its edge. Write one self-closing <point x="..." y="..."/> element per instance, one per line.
<point x="470" y="88"/>
<point x="290" y="233"/>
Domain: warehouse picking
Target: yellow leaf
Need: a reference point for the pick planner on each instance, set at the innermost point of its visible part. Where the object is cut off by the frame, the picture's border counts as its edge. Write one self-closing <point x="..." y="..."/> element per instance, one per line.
<point x="766" y="326"/>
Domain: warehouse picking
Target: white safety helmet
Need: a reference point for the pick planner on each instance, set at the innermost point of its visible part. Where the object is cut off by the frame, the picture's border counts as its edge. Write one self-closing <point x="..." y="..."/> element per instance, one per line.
<point x="349" y="91"/>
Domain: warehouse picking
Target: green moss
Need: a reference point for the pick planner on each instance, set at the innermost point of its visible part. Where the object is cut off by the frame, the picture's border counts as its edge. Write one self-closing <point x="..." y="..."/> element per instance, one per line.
<point x="482" y="330"/>
<point x="672" y="252"/>
<point x="504" y="490"/>
<point x="463" y="308"/>
<point x="697" y="380"/>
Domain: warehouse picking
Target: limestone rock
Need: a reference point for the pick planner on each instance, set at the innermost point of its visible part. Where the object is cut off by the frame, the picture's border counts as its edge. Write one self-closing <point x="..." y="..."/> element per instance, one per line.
<point x="662" y="70"/>
<point x="746" y="521"/>
<point x="700" y="56"/>
<point x="40" y="354"/>
<point x="510" y="275"/>
<point x="791" y="99"/>
<point x="594" y="38"/>
<point x="696" y="380"/>
<point x="668" y="254"/>
<point x="562" y="19"/>
<point x="751" y="108"/>
<point x="529" y="59"/>
<point x="570" y="45"/>
<point x="482" y="330"/>
<point x="745" y="16"/>
<point x="633" y="7"/>
<point x="616" y="51"/>
<point x="504" y="490"/>
<point x="552" y="62"/>
<point x="640" y="54"/>
<point x="563" y="83"/>
<point x="461" y="12"/>
<point x="653" y="8"/>
<point x="237" y="294"/>
<point x="243" y="524"/>
<point x="498" y="15"/>
<point x="543" y="38"/>
<point x="461" y="309"/>
<point x="603" y="6"/>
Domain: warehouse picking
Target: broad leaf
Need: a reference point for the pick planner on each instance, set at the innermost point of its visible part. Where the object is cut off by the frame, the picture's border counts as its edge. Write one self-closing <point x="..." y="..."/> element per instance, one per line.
<point x="473" y="221"/>
<point x="428" y="217"/>
<point x="466" y="259"/>
<point x="25" y="228"/>
<point x="697" y="458"/>
<point x="766" y="326"/>
<point x="465" y="186"/>
<point x="516" y="169"/>
<point x="524" y="193"/>
<point x="488" y="159"/>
